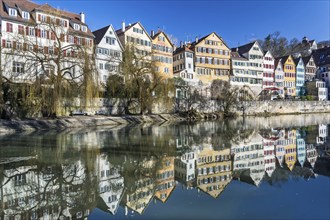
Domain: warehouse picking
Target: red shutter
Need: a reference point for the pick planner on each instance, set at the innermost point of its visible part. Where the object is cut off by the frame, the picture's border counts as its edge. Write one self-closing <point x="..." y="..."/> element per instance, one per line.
<point x="27" y="30"/>
<point x="46" y="50"/>
<point x="75" y="40"/>
<point x="57" y="21"/>
<point x="3" y="43"/>
<point x="14" y="45"/>
<point x="38" y="32"/>
<point x="39" y="17"/>
<point x="47" y="34"/>
<point x="65" y="23"/>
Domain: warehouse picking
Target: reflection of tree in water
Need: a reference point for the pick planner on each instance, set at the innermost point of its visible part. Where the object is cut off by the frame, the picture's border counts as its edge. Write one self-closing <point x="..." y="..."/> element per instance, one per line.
<point x="57" y="188"/>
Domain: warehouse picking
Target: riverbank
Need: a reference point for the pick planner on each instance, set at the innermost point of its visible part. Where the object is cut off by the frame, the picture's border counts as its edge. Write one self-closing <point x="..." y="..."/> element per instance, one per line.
<point x="12" y="126"/>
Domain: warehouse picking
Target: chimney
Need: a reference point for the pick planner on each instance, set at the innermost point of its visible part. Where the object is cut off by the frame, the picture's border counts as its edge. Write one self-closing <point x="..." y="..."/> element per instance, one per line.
<point x="196" y="39"/>
<point x="82" y="17"/>
<point x="123" y="26"/>
<point x="181" y="44"/>
<point x="152" y="33"/>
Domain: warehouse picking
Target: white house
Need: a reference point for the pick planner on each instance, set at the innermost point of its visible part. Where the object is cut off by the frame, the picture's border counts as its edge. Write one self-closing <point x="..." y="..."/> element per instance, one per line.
<point x="108" y="50"/>
<point x="30" y="30"/>
<point x="247" y="67"/>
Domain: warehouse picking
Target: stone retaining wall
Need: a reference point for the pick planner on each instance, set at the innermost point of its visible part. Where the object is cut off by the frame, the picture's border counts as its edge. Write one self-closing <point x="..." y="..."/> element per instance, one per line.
<point x="283" y="107"/>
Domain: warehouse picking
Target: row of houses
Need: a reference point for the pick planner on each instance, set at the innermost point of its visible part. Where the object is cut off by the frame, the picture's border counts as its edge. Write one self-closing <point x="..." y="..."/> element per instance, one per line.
<point x="28" y="29"/>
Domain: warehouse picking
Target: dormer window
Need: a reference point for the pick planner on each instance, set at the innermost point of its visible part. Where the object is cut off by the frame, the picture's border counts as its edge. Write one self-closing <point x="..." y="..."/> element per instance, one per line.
<point x="84" y="28"/>
<point x="76" y="27"/>
<point x="25" y="15"/>
<point x="12" y="12"/>
<point x="110" y="40"/>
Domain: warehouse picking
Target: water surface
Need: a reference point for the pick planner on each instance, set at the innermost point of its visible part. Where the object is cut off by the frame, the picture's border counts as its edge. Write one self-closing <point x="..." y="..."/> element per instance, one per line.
<point x="256" y="168"/>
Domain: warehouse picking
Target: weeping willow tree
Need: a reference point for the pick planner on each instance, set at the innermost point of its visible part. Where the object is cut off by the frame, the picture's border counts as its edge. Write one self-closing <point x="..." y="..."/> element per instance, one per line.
<point x="137" y="82"/>
<point x="51" y="66"/>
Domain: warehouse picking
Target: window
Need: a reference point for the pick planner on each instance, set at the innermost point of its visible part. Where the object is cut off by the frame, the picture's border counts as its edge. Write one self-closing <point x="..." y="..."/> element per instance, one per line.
<point x="101" y="66"/>
<point x="12" y="12"/>
<point x="76" y="26"/>
<point x="18" y="67"/>
<point x="110" y="40"/>
<point x="31" y="31"/>
<point x="43" y="34"/>
<point x="25" y="15"/>
<point x="51" y="50"/>
<point x="10" y="27"/>
<point x="84" y="28"/>
<point x="161" y="38"/>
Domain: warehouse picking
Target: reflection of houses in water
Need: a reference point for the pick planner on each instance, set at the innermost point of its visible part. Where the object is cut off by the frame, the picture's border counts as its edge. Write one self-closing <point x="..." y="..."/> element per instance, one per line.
<point x="249" y="156"/>
<point x="214" y="170"/>
<point x="185" y="168"/>
<point x="279" y="147"/>
<point x="140" y="186"/>
<point x="111" y="183"/>
<point x="269" y="152"/>
<point x="290" y="148"/>
<point x="301" y="149"/>
<point x="28" y="192"/>
<point x="311" y="154"/>
<point x="139" y="195"/>
<point x="165" y="182"/>
<point x="323" y="134"/>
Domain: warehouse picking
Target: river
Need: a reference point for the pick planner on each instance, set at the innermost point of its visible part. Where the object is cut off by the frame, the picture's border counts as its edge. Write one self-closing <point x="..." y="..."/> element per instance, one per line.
<point x="251" y="168"/>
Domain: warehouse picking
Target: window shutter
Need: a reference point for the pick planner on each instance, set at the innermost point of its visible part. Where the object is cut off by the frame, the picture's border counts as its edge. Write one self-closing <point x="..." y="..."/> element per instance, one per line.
<point x="46" y="50"/>
<point x="65" y="23"/>
<point x="39" y="17"/>
<point x="14" y="45"/>
<point x="47" y="34"/>
<point x="24" y="46"/>
<point x="27" y="30"/>
<point x="75" y="40"/>
<point x="3" y="43"/>
<point x="38" y="32"/>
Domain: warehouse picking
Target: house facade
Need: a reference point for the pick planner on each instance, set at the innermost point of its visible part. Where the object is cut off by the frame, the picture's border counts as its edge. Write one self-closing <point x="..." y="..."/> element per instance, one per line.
<point x="183" y="64"/>
<point x="300" y="77"/>
<point x="108" y="53"/>
<point x="33" y="35"/>
<point x="279" y="77"/>
<point x="162" y="54"/>
<point x="247" y="67"/>
<point x="269" y="69"/>
<point x="212" y="58"/>
<point x="310" y="68"/>
<point x="135" y="36"/>
<point x="289" y="69"/>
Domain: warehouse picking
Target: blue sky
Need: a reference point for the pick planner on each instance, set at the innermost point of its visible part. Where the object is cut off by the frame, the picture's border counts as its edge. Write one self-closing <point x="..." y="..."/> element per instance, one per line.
<point x="237" y="22"/>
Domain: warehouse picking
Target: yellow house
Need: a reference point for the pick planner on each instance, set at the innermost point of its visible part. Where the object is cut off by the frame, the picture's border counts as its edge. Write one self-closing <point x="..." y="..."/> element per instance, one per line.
<point x="290" y="149"/>
<point x="289" y="69"/>
<point x="165" y="182"/>
<point x="212" y="58"/>
<point x="214" y="170"/>
<point x="162" y="54"/>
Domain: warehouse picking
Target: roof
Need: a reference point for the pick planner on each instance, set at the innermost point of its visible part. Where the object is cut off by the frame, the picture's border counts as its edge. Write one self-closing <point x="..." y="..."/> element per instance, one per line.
<point x="296" y="60"/>
<point x="237" y="56"/>
<point x="277" y="60"/>
<point x="199" y="40"/>
<point x="244" y="48"/>
<point x="99" y="34"/>
<point x="120" y="31"/>
<point x="31" y="7"/>
<point x="283" y="59"/>
<point x="321" y="56"/>
<point x="158" y="33"/>
<point x="306" y="59"/>
<point x="183" y="48"/>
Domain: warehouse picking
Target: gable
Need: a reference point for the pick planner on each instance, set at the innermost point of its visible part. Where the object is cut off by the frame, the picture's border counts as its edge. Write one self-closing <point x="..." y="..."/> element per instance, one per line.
<point x="166" y="39"/>
<point x="139" y="26"/>
<point x="213" y="36"/>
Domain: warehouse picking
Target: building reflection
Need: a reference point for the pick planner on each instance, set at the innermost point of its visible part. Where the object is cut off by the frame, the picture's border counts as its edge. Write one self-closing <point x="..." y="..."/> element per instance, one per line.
<point x="68" y="186"/>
